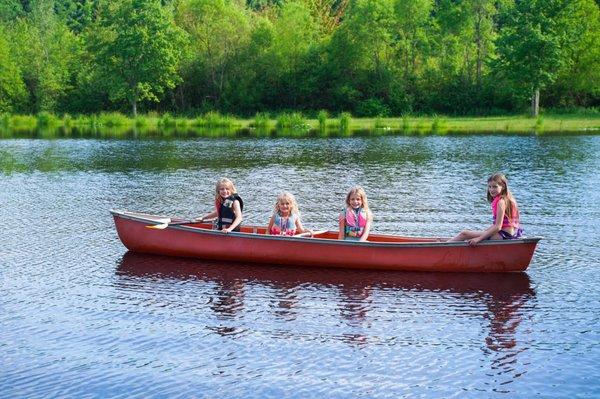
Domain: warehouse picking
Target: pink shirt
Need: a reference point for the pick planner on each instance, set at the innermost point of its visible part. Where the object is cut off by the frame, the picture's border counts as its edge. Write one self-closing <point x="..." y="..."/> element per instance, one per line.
<point x="506" y="222"/>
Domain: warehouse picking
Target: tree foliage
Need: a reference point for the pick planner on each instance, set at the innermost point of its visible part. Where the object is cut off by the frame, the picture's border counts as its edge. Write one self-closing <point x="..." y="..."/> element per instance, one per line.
<point x="137" y="49"/>
<point x="12" y="87"/>
<point x="368" y="57"/>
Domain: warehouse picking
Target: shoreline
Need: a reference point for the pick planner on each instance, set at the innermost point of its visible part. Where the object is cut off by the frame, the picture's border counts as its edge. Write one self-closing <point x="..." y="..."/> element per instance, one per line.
<point x="116" y="125"/>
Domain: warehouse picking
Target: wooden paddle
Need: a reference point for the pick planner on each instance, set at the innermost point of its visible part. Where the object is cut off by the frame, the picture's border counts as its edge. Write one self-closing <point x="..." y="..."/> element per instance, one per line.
<point x="167" y="222"/>
<point x="309" y="234"/>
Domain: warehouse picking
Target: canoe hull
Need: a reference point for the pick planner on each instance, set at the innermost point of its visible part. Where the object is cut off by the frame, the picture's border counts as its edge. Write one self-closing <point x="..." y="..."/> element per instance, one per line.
<point x="403" y="253"/>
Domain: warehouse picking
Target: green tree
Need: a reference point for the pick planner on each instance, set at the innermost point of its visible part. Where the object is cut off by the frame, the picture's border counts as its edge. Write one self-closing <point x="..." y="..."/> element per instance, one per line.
<point x="413" y="27"/>
<point x="530" y="46"/>
<point x="578" y="82"/>
<point x="78" y="14"/>
<point x="218" y="32"/>
<point x="47" y="52"/>
<point x="10" y="10"/>
<point x="295" y="33"/>
<point x="137" y="49"/>
<point x="12" y="88"/>
<point x="361" y="58"/>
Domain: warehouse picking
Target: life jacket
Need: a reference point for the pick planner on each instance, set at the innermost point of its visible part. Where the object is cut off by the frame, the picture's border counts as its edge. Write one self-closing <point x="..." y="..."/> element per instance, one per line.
<point x="225" y="213"/>
<point x="506" y="222"/>
<point x="356" y="220"/>
<point x="283" y="226"/>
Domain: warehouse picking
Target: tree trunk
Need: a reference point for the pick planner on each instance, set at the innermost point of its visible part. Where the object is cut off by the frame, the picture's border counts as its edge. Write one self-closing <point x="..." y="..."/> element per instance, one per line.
<point x="535" y="103"/>
<point x="134" y="105"/>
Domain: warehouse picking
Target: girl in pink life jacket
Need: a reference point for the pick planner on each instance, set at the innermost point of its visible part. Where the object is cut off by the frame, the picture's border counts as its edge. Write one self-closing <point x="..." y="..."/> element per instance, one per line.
<point x="506" y="225"/>
<point x="285" y="220"/>
<point x="228" y="207"/>
<point x="355" y="221"/>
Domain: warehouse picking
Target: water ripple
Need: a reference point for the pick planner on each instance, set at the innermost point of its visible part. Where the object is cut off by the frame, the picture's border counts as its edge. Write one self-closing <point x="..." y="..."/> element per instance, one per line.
<point x="83" y="318"/>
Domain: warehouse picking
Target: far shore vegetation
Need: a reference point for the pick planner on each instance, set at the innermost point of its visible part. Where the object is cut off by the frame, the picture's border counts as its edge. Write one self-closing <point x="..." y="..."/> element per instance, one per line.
<point x="160" y="60"/>
<point x="294" y="124"/>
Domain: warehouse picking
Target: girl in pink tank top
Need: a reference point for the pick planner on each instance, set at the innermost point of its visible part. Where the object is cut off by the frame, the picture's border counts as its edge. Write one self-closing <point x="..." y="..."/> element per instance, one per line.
<point x="505" y="213"/>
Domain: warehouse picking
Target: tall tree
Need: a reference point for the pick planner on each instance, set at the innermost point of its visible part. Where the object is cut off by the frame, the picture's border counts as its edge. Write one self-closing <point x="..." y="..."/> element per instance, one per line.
<point x="78" y="14"/>
<point x="12" y="88"/>
<point x="47" y="52"/>
<point x="578" y="81"/>
<point x="531" y="45"/>
<point x="10" y="9"/>
<point x="295" y="33"/>
<point x="360" y="58"/>
<point x="137" y="48"/>
<point x="218" y="32"/>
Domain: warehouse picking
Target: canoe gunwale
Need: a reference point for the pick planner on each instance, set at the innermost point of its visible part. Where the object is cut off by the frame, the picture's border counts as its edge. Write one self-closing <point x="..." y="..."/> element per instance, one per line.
<point x="157" y="220"/>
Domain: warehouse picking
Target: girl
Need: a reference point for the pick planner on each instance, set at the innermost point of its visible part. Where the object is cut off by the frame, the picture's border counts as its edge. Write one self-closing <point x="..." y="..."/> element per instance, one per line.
<point x="355" y="221"/>
<point x="505" y="212"/>
<point x="286" y="217"/>
<point x="228" y="207"/>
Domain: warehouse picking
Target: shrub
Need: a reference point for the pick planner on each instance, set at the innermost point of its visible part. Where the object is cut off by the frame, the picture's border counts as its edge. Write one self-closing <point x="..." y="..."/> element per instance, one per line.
<point x="292" y="121"/>
<point x="113" y="119"/>
<point x="345" y="118"/>
<point x="322" y="117"/>
<point x="372" y="107"/>
<point x="261" y="121"/>
<point x="46" y="119"/>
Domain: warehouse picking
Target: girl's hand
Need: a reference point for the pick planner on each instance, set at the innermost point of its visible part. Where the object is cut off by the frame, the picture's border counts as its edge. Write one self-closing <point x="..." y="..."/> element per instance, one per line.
<point x="474" y="241"/>
<point x="226" y="231"/>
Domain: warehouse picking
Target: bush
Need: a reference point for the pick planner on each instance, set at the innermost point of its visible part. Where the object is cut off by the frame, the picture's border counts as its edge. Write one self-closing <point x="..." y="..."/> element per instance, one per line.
<point x="372" y="107"/>
<point x="46" y="119"/>
<point x="439" y="125"/>
<point x="322" y="117"/>
<point x="261" y="121"/>
<point x="345" y="118"/>
<point x="113" y="119"/>
<point x="215" y="119"/>
<point x="167" y="121"/>
<point x="292" y="121"/>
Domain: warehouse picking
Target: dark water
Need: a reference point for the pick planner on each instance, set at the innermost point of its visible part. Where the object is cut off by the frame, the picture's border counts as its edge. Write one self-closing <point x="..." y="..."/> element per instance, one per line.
<point x="80" y="317"/>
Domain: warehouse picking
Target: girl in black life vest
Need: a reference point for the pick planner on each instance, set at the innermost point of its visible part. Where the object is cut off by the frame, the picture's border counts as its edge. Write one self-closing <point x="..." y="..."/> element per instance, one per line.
<point x="228" y="207"/>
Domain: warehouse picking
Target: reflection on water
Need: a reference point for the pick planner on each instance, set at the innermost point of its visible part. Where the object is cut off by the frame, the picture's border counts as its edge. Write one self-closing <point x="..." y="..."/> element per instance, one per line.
<point x="352" y="292"/>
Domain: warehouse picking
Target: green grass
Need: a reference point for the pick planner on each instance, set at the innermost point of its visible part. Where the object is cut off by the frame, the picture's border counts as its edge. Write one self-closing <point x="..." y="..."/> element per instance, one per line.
<point x="212" y="124"/>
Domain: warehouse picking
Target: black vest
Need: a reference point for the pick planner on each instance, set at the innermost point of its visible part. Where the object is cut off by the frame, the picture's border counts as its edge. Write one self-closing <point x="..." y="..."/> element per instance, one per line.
<point x="226" y="213"/>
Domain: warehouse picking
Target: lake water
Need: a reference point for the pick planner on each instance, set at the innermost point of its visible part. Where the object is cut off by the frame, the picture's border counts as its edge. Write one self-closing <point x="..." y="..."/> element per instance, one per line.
<point x="80" y="317"/>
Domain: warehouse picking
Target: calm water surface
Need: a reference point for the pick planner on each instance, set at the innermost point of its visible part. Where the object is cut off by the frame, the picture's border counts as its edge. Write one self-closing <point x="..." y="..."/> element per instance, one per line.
<point x="81" y="317"/>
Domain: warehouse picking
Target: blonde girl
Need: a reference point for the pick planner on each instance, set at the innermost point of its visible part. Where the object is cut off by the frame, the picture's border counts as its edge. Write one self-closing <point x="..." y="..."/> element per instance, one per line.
<point x="356" y="219"/>
<point x="285" y="220"/>
<point x="506" y="225"/>
<point x="228" y="207"/>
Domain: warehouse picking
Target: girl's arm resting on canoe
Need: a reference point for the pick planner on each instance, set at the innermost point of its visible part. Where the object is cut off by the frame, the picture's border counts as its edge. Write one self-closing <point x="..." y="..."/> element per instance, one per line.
<point x="367" y="229"/>
<point x="269" y="226"/>
<point x="238" y="217"/>
<point x="300" y="228"/>
<point x="342" y="224"/>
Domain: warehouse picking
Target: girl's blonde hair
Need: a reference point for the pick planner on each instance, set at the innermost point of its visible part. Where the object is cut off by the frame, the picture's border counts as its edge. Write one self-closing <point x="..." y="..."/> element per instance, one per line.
<point x="510" y="201"/>
<point x="223" y="182"/>
<point x="285" y="195"/>
<point x="358" y="190"/>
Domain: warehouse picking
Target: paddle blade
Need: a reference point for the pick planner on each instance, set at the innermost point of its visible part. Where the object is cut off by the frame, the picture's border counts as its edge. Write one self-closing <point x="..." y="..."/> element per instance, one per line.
<point x="308" y="234"/>
<point x="164" y="223"/>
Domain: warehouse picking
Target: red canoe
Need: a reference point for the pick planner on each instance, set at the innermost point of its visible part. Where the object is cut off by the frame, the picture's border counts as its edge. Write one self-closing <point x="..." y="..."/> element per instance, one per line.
<point x="381" y="252"/>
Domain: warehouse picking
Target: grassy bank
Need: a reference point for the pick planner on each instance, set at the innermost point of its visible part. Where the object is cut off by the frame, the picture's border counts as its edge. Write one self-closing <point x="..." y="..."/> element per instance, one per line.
<point x="116" y="125"/>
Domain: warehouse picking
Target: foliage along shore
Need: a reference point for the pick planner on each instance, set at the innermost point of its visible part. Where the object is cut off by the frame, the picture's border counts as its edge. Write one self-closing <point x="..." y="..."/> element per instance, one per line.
<point x="367" y="57"/>
<point x="212" y="124"/>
